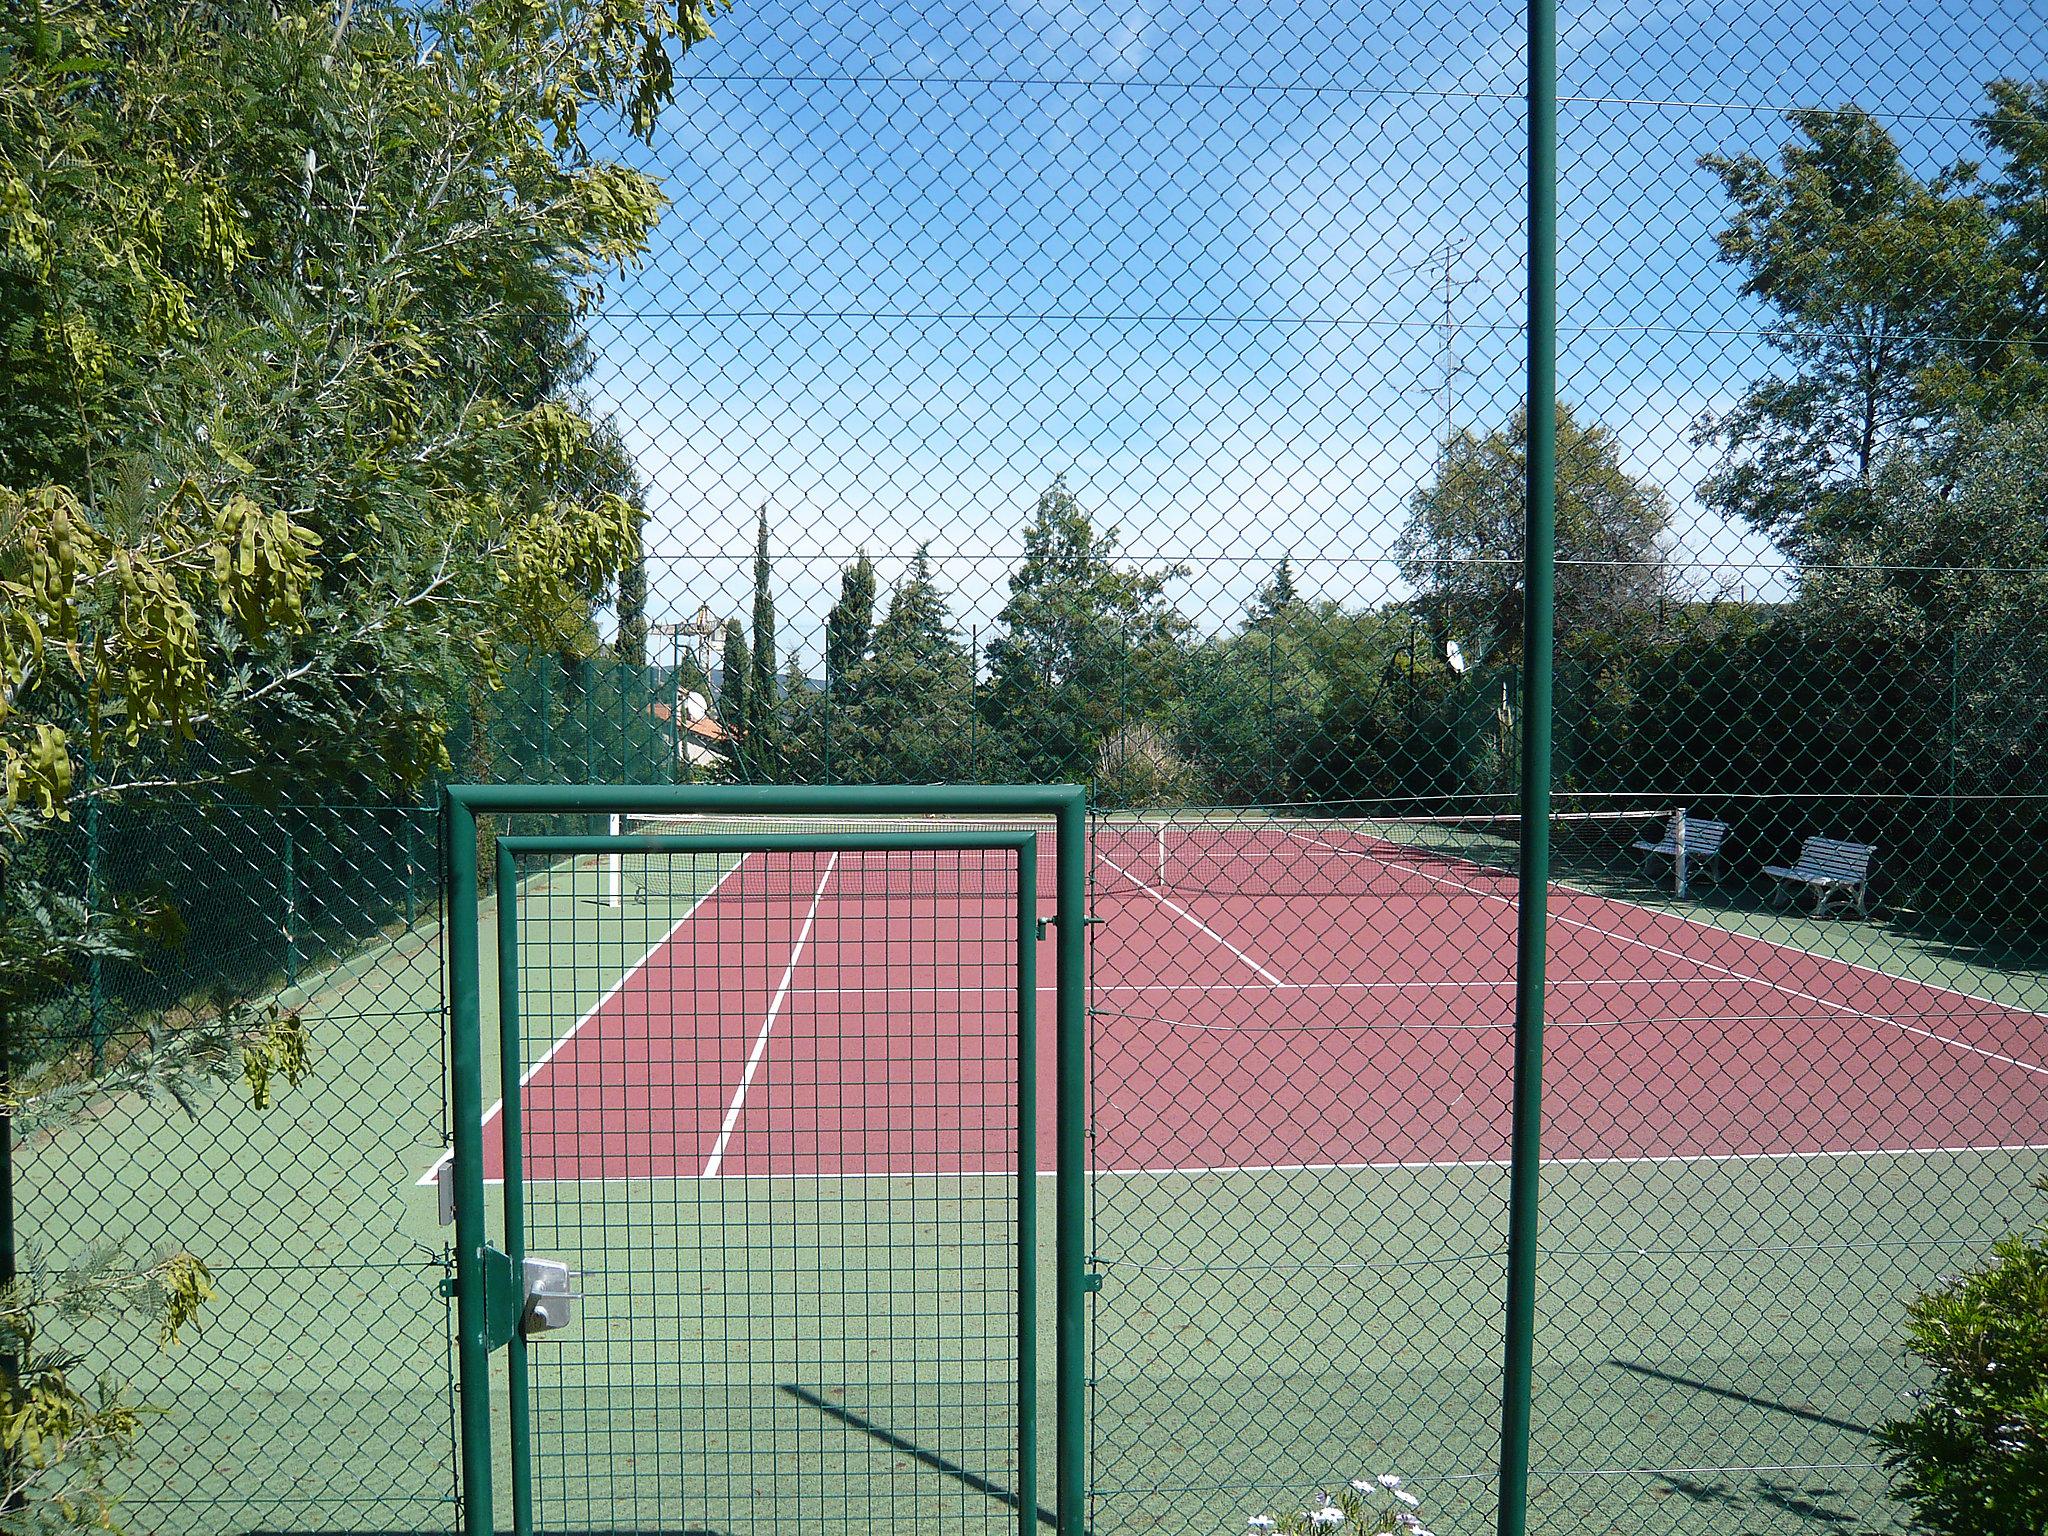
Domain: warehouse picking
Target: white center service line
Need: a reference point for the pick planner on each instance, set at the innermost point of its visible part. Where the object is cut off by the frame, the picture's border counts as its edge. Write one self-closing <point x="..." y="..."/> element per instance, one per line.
<point x="1182" y="912"/>
<point x="739" y="1098"/>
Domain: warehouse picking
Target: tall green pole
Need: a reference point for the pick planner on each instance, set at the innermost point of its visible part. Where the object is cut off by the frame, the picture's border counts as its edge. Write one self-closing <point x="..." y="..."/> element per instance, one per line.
<point x="1539" y="571"/>
<point x="466" y="1092"/>
<point x="509" y="1054"/>
<point x="1027" y="1188"/>
<point x="1070" y="1219"/>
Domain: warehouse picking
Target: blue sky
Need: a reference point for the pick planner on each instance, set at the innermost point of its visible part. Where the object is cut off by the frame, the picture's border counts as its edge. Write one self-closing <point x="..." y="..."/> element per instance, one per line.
<point x="1197" y="259"/>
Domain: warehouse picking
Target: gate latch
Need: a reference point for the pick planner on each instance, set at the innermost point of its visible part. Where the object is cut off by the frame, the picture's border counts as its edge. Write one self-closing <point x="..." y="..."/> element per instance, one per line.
<point x="550" y="1303"/>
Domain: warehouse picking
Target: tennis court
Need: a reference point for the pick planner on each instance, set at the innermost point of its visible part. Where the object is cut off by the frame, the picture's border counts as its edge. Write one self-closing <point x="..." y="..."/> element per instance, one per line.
<point x="771" y="1112"/>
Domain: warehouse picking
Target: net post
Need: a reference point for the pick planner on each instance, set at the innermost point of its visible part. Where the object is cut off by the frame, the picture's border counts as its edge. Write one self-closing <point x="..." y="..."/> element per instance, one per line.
<point x="1678" y="869"/>
<point x="615" y="866"/>
<point x="1538" y="587"/>
<point x="465" y="1091"/>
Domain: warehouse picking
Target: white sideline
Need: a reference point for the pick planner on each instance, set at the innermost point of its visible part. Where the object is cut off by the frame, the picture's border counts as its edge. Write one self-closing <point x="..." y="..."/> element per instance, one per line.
<point x="739" y="1098"/>
<point x="433" y="1174"/>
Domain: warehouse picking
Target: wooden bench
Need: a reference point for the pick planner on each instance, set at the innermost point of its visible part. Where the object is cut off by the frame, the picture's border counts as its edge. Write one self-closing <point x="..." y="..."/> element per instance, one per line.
<point x="1831" y="869"/>
<point x="1703" y="840"/>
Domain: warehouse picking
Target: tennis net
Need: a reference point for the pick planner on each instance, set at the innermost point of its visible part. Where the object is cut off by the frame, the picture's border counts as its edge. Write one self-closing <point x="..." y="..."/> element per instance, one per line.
<point x="1251" y="853"/>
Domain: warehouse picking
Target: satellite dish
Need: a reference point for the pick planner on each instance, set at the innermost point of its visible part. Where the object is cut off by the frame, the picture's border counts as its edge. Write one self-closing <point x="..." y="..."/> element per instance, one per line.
<point x="1455" y="657"/>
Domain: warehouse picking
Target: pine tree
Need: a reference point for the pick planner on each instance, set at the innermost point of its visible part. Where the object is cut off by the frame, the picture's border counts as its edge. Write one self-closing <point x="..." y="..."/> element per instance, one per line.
<point x="734" y="676"/>
<point x="764" y="685"/>
<point x="849" y="625"/>
<point x="1278" y="595"/>
<point x="910" y="717"/>
<point x="1086" y="646"/>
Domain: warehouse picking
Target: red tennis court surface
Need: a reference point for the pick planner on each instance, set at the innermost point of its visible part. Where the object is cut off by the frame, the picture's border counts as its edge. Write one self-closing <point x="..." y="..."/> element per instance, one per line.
<point x="803" y="1021"/>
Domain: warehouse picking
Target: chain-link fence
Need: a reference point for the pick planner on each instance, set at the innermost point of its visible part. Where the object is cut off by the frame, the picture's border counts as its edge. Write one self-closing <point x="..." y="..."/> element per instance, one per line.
<point x="1133" y="397"/>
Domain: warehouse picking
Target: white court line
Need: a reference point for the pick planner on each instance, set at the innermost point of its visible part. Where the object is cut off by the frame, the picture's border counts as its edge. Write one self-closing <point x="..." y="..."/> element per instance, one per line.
<point x="1176" y="907"/>
<point x="497" y="1106"/>
<point x="1779" y="986"/>
<point x="1668" y="1159"/>
<point x="739" y="1098"/>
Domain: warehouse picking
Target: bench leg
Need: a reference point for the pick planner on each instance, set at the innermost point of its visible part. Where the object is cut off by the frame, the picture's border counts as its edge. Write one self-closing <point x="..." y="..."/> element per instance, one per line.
<point x="1781" y="894"/>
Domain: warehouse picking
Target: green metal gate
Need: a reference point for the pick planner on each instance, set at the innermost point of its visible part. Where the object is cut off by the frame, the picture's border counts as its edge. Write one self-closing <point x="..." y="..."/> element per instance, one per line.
<point x="768" y="1243"/>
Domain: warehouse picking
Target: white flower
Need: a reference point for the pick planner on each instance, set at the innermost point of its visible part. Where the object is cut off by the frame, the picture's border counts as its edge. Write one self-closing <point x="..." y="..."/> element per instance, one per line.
<point x="1262" y="1522"/>
<point x="1326" y="1515"/>
<point x="1407" y="1498"/>
<point x="1405" y="1521"/>
<point x="1388" y="1481"/>
<point x="1363" y="1485"/>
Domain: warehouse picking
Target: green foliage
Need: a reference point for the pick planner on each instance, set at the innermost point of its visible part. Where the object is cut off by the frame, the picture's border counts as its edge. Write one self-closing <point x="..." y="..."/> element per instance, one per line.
<point x="1088" y="644"/>
<point x="270" y="404"/>
<point x="1462" y="548"/>
<point x="1138" y="768"/>
<point x="764" y="686"/>
<point x="291" y="452"/>
<point x="735" y="704"/>
<point x="907" y="711"/>
<point x="1909" y="310"/>
<point x="850" y="624"/>
<point x="1973" y="1458"/>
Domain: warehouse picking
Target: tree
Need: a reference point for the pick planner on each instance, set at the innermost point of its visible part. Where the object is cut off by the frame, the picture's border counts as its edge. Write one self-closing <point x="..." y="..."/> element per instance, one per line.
<point x="1462" y="548"/>
<point x="631" y="646"/>
<point x="299" y="376"/>
<point x="1912" y="311"/>
<point x="1250" y="702"/>
<point x="849" y="625"/>
<point x="763" y="687"/>
<point x="1869" y="268"/>
<point x="735" y="707"/>
<point x="290" y="452"/>
<point x="910" y="709"/>
<point x="1277" y="596"/>
<point x="1087" y="644"/>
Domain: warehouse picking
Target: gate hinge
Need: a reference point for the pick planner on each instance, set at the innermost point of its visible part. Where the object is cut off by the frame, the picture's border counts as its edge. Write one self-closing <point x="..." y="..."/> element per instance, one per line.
<point x="446" y="1286"/>
<point x="1047" y="922"/>
<point x="1091" y="1282"/>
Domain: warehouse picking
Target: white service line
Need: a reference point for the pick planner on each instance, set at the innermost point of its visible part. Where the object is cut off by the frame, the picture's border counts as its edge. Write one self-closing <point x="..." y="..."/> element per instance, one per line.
<point x="739" y="1098"/>
<point x="433" y="1174"/>
<point x="1181" y="911"/>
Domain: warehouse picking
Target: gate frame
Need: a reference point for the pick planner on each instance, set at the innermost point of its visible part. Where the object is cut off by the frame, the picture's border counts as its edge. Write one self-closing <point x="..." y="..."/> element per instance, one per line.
<point x="1065" y="805"/>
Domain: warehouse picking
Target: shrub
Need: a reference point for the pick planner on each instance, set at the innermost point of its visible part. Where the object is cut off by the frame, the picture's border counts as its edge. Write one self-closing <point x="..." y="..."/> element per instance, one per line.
<point x="1974" y="1457"/>
<point x="1138" y="767"/>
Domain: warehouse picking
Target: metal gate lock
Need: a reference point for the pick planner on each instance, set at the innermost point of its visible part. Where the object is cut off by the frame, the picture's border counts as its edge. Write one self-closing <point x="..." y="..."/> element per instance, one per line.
<point x="550" y="1303"/>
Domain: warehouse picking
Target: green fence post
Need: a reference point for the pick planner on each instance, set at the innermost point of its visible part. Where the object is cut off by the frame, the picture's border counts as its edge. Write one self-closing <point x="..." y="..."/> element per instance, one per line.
<point x="509" y="1054"/>
<point x="1070" y="1219"/>
<point x="1027" y="1189"/>
<point x="465" y="1091"/>
<point x="1539" y="575"/>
